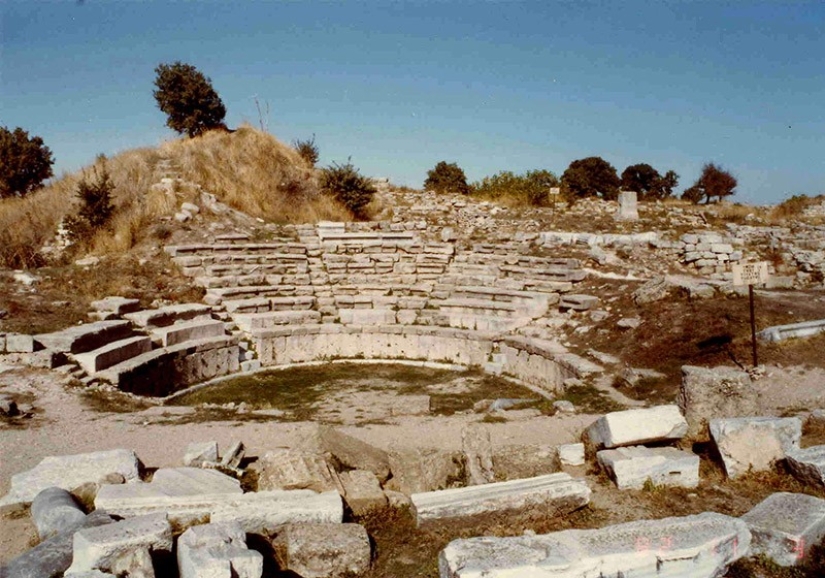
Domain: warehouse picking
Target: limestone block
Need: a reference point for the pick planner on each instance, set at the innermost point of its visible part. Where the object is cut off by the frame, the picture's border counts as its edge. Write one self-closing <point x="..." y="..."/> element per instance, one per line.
<point x="168" y="315"/>
<point x="90" y="574"/>
<point x="362" y="492"/>
<point x="264" y="512"/>
<point x="112" y="353"/>
<point x="701" y="546"/>
<point x="85" y="337"/>
<point x="69" y="472"/>
<point x="98" y="548"/>
<point x="323" y="550"/>
<point x="19" y="343"/>
<point x="134" y="563"/>
<point x="637" y="426"/>
<point x="555" y="493"/>
<point x="416" y="470"/>
<point x="354" y="453"/>
<point x="233" y="456"/>
<point x="708" y="393"/>
<point x="53" y="556"/>
<point x="631" y="467"/>
<point x="478" y="453"/>
<point x="116" y="305"/>
<point x="578" y="302"/>
<point x="628" y="207"/>
<point x="293" y="469"/>
<point x="187" y="331"/>
<point x="367" y="316"/>
<point x="785" y="526"/>
<point x="571" y="454"/>
<point x="53" y="511"/>
<point x="808" y="465"/>
<point x="754" y="442"/>
<point x="217" y="551"/>
<point x="200" y="453"/>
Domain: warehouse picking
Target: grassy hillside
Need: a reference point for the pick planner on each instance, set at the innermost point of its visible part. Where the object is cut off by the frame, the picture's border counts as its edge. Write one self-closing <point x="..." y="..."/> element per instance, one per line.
<point x="247" y="169"/>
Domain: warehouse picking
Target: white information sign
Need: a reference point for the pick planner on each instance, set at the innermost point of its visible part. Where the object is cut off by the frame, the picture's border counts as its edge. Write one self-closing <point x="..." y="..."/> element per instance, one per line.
<point x="750" y="273"/>
<point x="555" y="191"/>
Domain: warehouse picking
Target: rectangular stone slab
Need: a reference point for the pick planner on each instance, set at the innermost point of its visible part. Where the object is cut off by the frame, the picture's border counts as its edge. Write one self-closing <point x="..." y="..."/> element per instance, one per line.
<point x="188" y="330"/>
<point x="559" y="493"/>
<point x="634" y="427"/>
<point x="700" y="546"/>
<point x="98" y="548"/>
<point x="785" y="526"/>
<point x="113" y="353"/>
<point x="754" y="443"/>
<point x="85" y="337"/>
<point x="69" y="472"/>
<point x="631" y="467"/>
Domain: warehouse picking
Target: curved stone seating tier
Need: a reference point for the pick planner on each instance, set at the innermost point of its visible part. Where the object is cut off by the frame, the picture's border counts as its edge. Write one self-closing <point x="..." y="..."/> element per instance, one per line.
<point x="541" y="363"/>
<point x="162" y="371"/>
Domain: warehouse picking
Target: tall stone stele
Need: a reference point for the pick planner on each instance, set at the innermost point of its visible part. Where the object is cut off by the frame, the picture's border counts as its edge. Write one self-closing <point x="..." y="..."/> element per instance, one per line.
<point x="628" y="207"/>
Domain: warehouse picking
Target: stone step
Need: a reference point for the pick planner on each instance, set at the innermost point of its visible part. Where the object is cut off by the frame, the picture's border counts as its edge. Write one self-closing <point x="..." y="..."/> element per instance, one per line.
<point x="85" y="337"/>
<point x="254" y="321"/>
<point x="168" y="315"/>
<point x="556" y="494"/>
<point x="113" y="353"/>
<point x="230" y="281"/>
<point x="546" y="273"/>
<point x="234" y="248"/>
<point x="264" y="304"/>
<point x="198" y="328"/>
<point x="701" y="546"/>
<point x="216" y="296"/>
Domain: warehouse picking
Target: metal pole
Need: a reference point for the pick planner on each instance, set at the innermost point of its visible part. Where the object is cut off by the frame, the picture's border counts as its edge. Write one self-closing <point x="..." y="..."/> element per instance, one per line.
<point x="753" y="327"/>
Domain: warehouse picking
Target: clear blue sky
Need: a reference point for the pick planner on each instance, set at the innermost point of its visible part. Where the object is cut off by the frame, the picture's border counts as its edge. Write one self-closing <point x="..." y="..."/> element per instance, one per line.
<point x="399" y="86"/>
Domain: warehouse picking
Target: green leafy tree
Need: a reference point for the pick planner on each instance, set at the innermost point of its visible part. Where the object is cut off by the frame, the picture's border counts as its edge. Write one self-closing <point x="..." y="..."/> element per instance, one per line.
<point x="25" y="162"/>
<point x="447" y="178"/>
<point x="349" y="187"/>
<point x="186" y="96"/>
<point x="590" y="177"/>
<point x="714" y="182"/>
<point x="647" y="181"/>
<point x="531" y="188"/>
<point x="96" y="209"/>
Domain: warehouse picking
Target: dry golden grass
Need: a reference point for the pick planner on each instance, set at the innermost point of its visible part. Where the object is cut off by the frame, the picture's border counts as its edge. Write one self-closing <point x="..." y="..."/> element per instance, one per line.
<point x="254" y="172"/>
<point x="247" y="169"/>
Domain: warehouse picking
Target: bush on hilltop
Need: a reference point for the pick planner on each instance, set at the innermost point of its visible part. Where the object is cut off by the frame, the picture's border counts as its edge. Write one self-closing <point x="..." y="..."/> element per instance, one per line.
<point x="24" y="163"/>
<point x="531" y="188"/>
<point x="446" y="178"/>
<point x="188" y="99"/>
<point x="590" y="177"/>
<point x="349" y="187"/>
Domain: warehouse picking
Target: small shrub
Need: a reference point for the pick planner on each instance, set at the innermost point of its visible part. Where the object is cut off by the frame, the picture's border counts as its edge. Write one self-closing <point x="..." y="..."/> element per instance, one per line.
<point x="794" y="207"/>
<point x="349" y="187"/>
<point x="447" y="178"/>
<point x="307" y="149"/>
<point x="531" y="188"/>
<point x="95" y="205"/>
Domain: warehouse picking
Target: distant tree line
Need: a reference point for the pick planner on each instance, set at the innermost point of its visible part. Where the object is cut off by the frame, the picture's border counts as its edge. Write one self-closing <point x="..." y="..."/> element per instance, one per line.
<point x="584" y="178"/>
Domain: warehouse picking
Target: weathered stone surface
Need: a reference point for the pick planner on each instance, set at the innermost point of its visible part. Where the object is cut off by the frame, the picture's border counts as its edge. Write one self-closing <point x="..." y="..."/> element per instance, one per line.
<point x="53" y="556"/>
<point x="168" y="315"/>
<point x="416" y="470"/>
<point x="558" y="493"/>
<point x="69" y="472"/>
<point x="134" y="563"/>
<point x="263" y="512"/>
<point x="53" y="511"/>
<point x="99" y="548"/>
<point x="362" y="492"/>
<point x="200" y="453"/>
<point x="785" y="526"/>
<point x="188" y="330"/>
<point x="516" y="462"/>
<point x="637" y="426"/>
<point x="807" y="465"/>
<point x="112" y="353"/>
<point x="478" y="454"/>
<point x="167" y="490"/>
<point x="578" y="302"/>
<point x="628" y="207"/>
<point x="217" y="551"/>
<point x="631" y="467"/>
<point x="233" y="456"/>
<point x="719" y="392"/>
<point x="700" y="546"/>
<point x="571" y="454"/>
<point x="116" y="305"/>
<point x="323" y="550"/>
<point x="755" y="443"/>
<point x="294" y="469"/>
<point x="354" y="453"/>
<point x="85" y="337"/>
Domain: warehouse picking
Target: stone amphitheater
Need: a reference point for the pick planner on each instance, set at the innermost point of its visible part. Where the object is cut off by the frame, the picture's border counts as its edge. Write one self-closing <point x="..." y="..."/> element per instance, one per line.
<point x="447" y="283"/>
